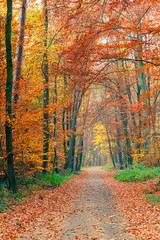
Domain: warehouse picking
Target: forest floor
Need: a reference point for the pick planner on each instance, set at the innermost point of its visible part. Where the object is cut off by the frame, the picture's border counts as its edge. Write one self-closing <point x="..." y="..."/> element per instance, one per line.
<point x="92" y="205"/>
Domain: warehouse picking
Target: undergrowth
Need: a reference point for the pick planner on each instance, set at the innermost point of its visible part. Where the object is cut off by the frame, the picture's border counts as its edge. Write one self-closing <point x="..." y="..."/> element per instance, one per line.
<point x="153" y="198"/>
<point x="29" y="185"/>
<point x="108" y="166"/>
<point x="138" y="173"/>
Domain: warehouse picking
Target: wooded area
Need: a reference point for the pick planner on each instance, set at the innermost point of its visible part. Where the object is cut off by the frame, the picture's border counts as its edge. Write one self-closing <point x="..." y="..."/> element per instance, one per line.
<point x="79" y="85"/>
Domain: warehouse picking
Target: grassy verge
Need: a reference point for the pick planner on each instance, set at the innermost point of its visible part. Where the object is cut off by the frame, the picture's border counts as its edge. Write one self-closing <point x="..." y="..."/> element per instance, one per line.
<point x="138" y="173"/>
<point x="153" y="198"/>
<point x="108" y="166"/>
<point x="29" y="185"/>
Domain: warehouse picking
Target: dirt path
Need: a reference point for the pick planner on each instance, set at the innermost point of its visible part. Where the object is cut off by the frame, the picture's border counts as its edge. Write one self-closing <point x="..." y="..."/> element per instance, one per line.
<point x="95" y="216"/>
<point x="80" y="209"/>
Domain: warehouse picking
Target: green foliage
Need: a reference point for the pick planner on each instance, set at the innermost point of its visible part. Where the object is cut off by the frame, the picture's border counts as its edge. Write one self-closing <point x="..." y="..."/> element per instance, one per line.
<point x="140" y="166"/>
<point x="53" y="179"/>
<point x="1" y="207"/>
<point x="6" y="197"/>
<point x="29" y="185"/>
<point x="153" y="198"/>
<point x="1" y="198"/>
<point x="108" y="166"/>
<point x="137" y="173"/>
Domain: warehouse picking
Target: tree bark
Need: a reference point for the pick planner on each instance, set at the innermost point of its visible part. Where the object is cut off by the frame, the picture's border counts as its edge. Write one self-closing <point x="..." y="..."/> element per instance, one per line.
<point x="56" y="167"/>
<point x="73" y="137"/>
<point x="110" y="147"/>
<point x="72" y="140"/>
<point x="9" y="86"/>
<point x="45" y="94"/>
<point x="20" y="51"/>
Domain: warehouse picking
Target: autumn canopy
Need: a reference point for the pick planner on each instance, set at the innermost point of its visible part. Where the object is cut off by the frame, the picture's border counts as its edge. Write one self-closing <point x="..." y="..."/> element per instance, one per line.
<point x="79" y="84"/>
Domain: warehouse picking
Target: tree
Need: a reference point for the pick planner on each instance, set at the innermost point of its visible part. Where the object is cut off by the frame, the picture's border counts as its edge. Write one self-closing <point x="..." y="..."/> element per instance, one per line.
<point x="9" y="84"/>
<point x="45" y="92"/>
<point x="20" y="51"/>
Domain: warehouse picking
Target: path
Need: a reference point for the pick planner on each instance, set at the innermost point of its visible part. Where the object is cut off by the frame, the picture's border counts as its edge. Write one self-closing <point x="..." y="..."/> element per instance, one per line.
<point x="95" y="216"/>
<point x="81" y="209"/>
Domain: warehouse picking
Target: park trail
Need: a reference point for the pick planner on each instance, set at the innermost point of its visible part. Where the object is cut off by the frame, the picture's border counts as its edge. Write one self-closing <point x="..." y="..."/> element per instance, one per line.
<point x="82" y="208"/>
<point x="95" y="216"/>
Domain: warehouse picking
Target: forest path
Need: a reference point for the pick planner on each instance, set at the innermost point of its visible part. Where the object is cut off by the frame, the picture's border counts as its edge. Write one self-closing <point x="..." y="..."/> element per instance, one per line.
<point x="95" y="215"/>
<point x="82" y="208"/>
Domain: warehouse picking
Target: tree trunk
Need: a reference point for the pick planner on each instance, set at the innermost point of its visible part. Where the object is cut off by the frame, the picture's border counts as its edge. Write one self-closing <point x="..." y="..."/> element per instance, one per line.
<point x="64" y="134"/>
<point x="56" y="167"/>
<point x="20" y="51"/>
<point x="80" y="153"/>
<point x="99" y="160"/>
<point x="72" y="138"/>
<point x="119" y="143"/>
<point x="9" y="86"/>
<point x="93" y="158"/>
<point x="128" y="143"/>
<point x="45" y="95"/>
<point x="67" y="142"/>
<point x="1" y="155"/>
<point x="110" y="148"/>
<point x="109" y="142"/>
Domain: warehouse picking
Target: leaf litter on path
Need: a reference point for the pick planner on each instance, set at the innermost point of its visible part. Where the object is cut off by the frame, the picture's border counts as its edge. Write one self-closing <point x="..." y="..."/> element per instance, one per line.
<point x="84" y="208"/>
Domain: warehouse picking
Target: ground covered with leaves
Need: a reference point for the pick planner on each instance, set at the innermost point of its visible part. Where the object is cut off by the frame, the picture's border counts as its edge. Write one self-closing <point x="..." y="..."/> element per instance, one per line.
<point x="134" y="199"/>
<point x="46" y="213"/>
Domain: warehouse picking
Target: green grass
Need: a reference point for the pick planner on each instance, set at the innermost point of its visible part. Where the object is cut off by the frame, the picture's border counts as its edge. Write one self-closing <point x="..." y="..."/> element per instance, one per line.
<point x="28" y="186"/>
<point x="53" y="179"/>
<point x="108" y="166"/>
<point x="6" y="198"/>
<point x="138" y="173"/>
<point x="153" y="198"/>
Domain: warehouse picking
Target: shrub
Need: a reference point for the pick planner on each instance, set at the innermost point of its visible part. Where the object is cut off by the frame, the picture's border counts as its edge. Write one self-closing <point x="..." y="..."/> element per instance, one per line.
<point x="138" y="173"/>
<point x="29" y="185"/>
<point x="53" y="179"/>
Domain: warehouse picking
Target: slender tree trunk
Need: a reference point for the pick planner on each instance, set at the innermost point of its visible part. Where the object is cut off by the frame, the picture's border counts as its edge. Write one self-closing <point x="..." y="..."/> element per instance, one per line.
<point x="124" y="118"/>
<point x="85" y="147"/>
<point x="55" y="100"/>
<point x="56" y="167"/>
<point x="72" y="138"/>
<point x="93" y="158"/>
<point x="9" y="86"/>
<point x="65" y="126"/>
<point x="20" y="51"/>
<point x="64" y="134"/>
<point x="110" y="148"/>
<point x="100" y="161"/>
<point x="72" y="142"/>
<point x="142" y="88"/>
<point x="45" y="94"/>
<point x="82" y="135"/>
<point x="1" y="155"/>
<point x="138" y="146"/>
<point x="119" y="144"/>
<point x="1" y="149"/>
<point x="80" y="153"/>
<point x="67" y="143"/>
<point x="73" y="129"/>
<point x="120" y="153"/>
<point x="109" y="142"/>
<point x="128" y="143"/>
